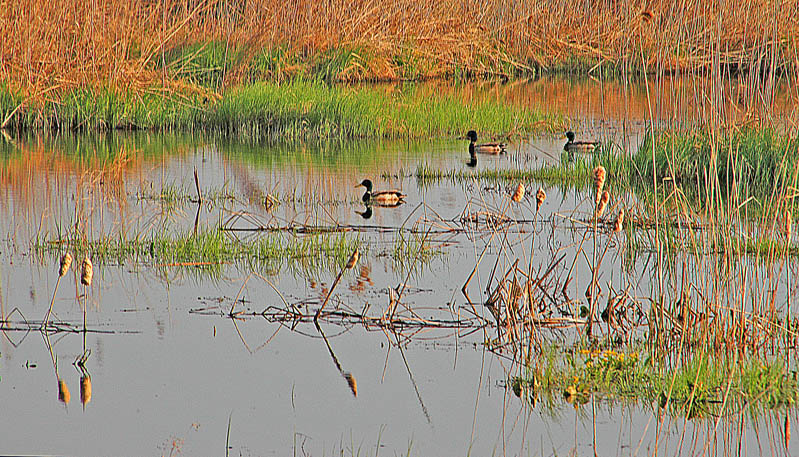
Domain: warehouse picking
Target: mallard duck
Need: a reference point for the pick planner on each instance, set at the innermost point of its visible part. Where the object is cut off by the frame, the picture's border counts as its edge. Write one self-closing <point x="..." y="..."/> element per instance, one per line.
<point x="381" y="197"/>
<point x="578" y="146"/>
<point x="484" y="148"/>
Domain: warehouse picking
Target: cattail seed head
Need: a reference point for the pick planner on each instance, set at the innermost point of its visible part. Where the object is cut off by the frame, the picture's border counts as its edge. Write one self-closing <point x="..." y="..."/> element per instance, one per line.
<point x="599" y="180"/>
<point x="85" y="389"/>
<point x="619" y="224"/>
<point x="66" y="262"/>
<point x="787" y="429"/>
<point x="352" y="260"/>
<point x="540" y="196"/>
<point x="518" y="195"/>
<point x="787" y="224"/>
<point x="63" y="392"/>
<point x="352" y="383"/>
<point x="86" y="272"/>
<point x="603" y="203"/>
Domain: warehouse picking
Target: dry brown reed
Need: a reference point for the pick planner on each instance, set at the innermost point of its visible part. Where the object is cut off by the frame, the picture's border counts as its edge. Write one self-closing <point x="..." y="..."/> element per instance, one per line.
<point x="518" y="194"/>
<point x="87" y="272"/>
<point x="52" y="46"/>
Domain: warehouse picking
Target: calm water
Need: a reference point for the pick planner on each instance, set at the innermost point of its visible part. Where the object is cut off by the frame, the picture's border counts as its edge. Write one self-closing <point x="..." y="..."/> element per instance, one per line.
<point x="171" y="376"/>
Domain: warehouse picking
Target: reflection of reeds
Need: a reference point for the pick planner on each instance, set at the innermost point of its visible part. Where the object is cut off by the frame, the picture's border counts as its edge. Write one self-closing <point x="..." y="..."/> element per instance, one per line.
<point x="63" y="392"/>
<point x="85" y="389"/>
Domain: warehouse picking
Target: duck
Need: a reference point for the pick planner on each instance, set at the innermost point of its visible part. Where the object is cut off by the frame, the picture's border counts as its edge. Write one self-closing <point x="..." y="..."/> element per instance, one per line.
<point x="484" y="148"/>
<point x="578" y="146"/>
<point x="381" y="197"/>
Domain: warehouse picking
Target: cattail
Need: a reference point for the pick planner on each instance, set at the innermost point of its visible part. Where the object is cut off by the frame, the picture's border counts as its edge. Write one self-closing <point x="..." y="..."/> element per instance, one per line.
<point x="599" y="180"/>
<point x="540" y="196"/>
<point x="518" y="195"/>
<point x="66" y="262"/>
<point x="619" y="224"/>
<point x="352" y="383"/>
<point x="787" y="430"/>
<point x="86" y="272"/>
<point x="63" y="392"/>
<point x="603" y="203"/>
<point x="352" y="260"/>
<point x="85" y="389"/>
<point x="788" y="222"/>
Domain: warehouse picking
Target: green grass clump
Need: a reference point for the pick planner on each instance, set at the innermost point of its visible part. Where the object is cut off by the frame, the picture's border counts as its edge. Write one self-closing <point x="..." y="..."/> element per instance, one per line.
<point x="697" y="387"/>
<point x="268" y="252"/>
<point x="296" y="109"/>
<point x="302" y="109"/>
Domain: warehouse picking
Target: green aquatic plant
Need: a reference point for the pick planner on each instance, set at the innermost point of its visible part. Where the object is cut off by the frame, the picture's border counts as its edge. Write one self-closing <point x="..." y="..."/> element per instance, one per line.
<point x="696" y="387"/>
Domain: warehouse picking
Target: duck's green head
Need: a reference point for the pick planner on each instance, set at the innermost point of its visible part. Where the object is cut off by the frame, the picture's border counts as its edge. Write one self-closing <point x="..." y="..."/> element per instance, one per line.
<point x="570" y="135"/>
<point x="367" y="184"/>
<point x="472" y="135"/>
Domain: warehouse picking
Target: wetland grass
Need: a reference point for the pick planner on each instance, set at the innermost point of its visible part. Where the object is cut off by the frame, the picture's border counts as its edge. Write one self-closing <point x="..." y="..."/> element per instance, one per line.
<point x="297" y="109"/>
<point x="699" y="387"/>
<point x="213" y="248"/>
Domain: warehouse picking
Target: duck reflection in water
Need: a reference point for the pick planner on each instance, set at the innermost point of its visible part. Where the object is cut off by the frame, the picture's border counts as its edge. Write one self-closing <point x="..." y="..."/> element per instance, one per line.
<point x="472" y="160"/>
<point x="366" y="213"/>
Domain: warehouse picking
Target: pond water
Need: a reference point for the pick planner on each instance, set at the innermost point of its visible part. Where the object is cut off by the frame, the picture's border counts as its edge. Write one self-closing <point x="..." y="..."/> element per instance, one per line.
<point x="172" y="374"/>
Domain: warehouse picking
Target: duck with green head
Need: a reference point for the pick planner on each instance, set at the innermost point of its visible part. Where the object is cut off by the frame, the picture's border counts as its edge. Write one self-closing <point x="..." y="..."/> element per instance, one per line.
<point x="381" y="197"/>
<point x="578" y="146"/>
<point x="483" y="148"/>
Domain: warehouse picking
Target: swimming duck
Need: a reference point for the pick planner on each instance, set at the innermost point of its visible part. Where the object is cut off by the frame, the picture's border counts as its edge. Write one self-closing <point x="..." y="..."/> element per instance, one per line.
<point x="578" y="146"/>
<point x="484" y="148"/>
<point x="381" y="197"/>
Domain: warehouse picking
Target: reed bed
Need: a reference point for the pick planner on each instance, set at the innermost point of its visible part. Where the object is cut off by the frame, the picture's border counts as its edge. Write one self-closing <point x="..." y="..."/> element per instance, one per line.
<point x="56" y="46"/>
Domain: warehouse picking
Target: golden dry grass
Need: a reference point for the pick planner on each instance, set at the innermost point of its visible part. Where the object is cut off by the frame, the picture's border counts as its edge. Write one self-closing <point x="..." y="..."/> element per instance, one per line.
<point x="52" y="46"/>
